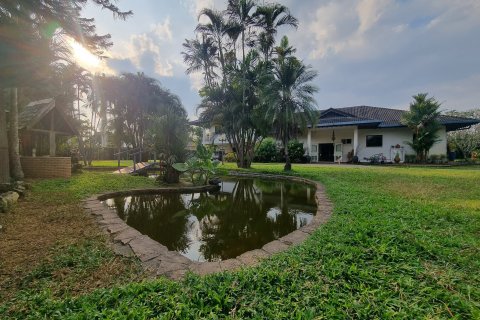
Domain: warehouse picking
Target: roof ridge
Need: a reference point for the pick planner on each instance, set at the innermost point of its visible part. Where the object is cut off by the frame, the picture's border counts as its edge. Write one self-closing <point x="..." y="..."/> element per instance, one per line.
<point x="39" y="102"/>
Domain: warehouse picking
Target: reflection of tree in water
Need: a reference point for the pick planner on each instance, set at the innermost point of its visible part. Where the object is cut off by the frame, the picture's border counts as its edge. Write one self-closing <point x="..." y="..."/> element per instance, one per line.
<point x="249" y="214"/>
<point x="161" y="217"/>
<point x="242" y="224"/>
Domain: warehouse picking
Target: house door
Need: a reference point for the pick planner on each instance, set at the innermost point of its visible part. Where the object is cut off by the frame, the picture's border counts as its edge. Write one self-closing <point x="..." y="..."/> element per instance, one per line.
<point x="325" y="152"/>
<point x="338" y="152"/>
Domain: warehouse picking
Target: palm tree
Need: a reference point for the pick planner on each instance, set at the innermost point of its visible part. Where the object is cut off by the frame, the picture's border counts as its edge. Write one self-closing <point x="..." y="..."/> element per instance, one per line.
<point x="288" y="95"/>
<point x="241" y="16"/>
<point x="269" y="18"/>
<point x="216" y="28"/>
<point x="422" y="119"/>
<point x="200" y="55"/>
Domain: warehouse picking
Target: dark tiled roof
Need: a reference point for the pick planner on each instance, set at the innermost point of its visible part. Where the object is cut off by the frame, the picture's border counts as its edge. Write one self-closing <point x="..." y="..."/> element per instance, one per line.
<point x="33" y="112"/>
<point x="367" y="116"/>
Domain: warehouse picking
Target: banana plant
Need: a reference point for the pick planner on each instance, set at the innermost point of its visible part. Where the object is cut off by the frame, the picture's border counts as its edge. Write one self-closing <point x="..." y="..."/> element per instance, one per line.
<point x="200" y="167"/>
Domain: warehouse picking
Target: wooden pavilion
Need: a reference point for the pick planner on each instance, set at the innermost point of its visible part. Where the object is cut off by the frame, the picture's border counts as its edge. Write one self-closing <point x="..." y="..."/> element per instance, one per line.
<point x="41" y="127"/>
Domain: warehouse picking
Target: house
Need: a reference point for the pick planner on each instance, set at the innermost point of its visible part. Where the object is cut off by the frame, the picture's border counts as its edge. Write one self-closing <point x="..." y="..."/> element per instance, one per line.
<point x="213" y="135"/>
<point x="364" y="131"/>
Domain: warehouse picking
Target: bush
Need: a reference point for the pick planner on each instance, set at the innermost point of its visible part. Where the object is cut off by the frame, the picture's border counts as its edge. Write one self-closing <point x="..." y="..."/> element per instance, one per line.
<point x="296" y="152"/>
<point x="229" y="157"/>
<point x="267" y="151"/>
<point x="410" y="158"/>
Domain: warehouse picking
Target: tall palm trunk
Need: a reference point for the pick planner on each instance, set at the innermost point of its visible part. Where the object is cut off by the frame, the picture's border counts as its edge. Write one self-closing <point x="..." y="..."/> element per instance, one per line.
<point x="4" y="162"/>
<point x="16" y="166"/>
<point x="288" y="164"/>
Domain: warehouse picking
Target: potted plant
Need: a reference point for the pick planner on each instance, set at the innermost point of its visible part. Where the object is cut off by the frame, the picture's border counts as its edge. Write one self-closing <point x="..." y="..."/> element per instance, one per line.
<point x="397" y="158"/>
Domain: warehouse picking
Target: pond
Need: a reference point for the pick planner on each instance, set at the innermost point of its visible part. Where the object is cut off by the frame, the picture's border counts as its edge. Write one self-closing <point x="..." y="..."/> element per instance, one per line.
<point x="244" y="215"/>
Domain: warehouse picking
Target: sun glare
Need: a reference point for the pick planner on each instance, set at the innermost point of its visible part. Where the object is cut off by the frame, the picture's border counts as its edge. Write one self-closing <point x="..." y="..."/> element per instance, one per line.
<point x="85" y="58"/>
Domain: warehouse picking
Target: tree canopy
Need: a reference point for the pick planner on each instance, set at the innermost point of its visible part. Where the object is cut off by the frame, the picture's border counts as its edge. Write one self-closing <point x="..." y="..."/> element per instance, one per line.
<point x="234" y="51"/>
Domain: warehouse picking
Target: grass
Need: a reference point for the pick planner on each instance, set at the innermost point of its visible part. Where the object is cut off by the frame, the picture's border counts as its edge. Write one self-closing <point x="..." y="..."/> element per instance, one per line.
<point x="48" y="244"/>
<point x="403" y="243"/>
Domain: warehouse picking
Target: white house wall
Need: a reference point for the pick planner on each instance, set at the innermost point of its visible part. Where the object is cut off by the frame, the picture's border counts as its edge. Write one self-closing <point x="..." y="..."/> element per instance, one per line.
<point x="391" y="137"/>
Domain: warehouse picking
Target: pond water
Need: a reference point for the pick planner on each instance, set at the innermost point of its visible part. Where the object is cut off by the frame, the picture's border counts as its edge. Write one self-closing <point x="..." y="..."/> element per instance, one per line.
<point x="244" y="215"/>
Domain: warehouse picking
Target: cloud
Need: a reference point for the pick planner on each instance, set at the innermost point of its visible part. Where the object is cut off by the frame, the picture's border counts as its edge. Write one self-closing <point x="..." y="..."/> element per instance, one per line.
<point x="163" y="30"/>
<point x="342" y="25"/>
<point x="196" y="81"/>
<point x="369" y="12"/>
<point x="149" y="52"/>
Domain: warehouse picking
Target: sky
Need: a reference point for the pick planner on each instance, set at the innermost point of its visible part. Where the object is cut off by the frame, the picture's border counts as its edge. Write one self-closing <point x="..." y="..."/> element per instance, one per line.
<point x="366" y="52"/>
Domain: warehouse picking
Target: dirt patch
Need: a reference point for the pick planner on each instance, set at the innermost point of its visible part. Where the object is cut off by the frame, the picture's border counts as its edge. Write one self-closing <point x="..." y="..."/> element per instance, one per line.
<point x="37" y="231"/>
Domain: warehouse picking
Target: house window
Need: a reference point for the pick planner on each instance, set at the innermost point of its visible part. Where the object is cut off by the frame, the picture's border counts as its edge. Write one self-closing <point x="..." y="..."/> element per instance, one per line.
<point x="374" y="141"/>
<point x="313" y="149"/>
<point x="346" y="141"/>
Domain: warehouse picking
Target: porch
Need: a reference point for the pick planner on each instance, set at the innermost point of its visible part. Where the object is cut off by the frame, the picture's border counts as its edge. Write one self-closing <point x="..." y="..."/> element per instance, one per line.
<point x="341" y="144"/>
<point x="331" y="144"/>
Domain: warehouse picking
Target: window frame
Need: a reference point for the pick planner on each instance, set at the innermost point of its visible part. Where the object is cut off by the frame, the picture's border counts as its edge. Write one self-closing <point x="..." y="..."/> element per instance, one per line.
<point x="374" y="135"/>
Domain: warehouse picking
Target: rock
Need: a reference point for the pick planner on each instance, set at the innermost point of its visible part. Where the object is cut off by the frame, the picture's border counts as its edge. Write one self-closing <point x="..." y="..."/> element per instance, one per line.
<point x="214" y="181"/>
<point x="7" y="200"/>
<point x="4" y="187"/>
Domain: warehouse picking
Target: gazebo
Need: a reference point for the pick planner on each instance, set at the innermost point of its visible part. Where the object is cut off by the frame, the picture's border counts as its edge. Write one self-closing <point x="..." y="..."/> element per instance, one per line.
<point x="41" y="124"/>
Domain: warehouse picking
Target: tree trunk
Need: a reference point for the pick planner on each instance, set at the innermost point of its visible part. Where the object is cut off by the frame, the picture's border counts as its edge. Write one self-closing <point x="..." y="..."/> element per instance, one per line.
<point x="171" y="175"/>
<point x="81" y="146"/>
<point x="4" y="161"/>
<point x="288" y="164"/>
<point x="16" y="166"/>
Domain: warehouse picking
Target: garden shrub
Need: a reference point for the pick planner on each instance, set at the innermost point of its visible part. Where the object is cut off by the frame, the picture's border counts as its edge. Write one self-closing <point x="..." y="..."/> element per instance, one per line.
<point x="267" y="151"/>
<point x="229" y="157"/>
<point x="296" y="152"/>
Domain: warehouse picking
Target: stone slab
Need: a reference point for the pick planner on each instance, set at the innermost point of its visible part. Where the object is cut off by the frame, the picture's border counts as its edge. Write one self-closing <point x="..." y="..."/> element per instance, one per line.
<point x="126" y="235"/>
<point x="167" y="267"/>
<point x="295" y="237"/>
<point x="275" y="247"/>
<point x="252" y="257"/>
<point x="204" y="268"/>
<point x="144" y="250"/>
<point x="231" y="264"/>
<point x="122" y="250"/>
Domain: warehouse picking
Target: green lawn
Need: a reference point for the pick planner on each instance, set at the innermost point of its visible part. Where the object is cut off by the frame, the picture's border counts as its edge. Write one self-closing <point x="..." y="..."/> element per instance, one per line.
<point x="403" y="243"/>
<point x="111" y="163"/>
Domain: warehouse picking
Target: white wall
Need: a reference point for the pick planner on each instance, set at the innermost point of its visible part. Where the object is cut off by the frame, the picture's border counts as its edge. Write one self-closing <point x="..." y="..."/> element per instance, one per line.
<point x="391" y="137"/>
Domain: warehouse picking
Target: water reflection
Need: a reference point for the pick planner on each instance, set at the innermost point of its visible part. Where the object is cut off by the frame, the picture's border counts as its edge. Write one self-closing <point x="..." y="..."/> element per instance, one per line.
<point x="244" y="215"/>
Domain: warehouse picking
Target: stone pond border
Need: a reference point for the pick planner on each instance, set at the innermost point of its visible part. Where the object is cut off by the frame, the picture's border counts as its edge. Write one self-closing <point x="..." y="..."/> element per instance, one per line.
<point x="156" y="258"/>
